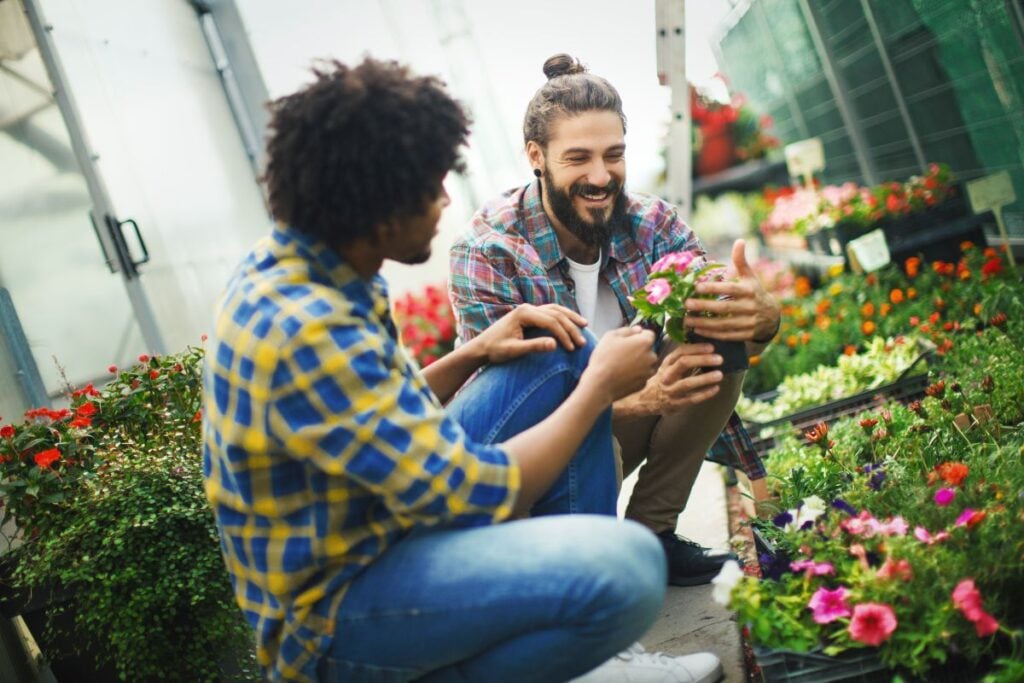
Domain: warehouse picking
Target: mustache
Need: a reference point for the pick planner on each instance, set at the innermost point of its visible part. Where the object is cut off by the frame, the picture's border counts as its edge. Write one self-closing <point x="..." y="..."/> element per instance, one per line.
<point x="612" y="187"/>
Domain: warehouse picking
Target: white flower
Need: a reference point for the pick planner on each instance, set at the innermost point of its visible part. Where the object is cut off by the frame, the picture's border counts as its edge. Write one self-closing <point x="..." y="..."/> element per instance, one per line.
<point x="726" y="580"/>
<point x="810" y="509"/>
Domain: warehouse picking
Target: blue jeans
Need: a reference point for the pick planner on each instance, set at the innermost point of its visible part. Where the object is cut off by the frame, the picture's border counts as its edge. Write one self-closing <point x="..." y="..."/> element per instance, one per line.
<point x="543" y="599"/>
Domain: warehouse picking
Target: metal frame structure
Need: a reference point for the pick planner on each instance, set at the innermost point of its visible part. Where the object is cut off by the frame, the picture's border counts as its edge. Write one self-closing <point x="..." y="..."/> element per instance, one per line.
<point x="119" y="256"/>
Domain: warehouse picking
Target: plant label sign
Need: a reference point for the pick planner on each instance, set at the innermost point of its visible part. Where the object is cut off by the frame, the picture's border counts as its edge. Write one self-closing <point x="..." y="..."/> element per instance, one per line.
<point x="991" y="192"/>
<point x="868" y="252"/>
<point x="805" y="158"/>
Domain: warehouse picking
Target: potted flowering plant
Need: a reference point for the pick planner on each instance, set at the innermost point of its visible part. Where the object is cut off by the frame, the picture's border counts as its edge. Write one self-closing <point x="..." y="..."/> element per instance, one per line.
<point x="116" y="531"/>
<point x="727" y="133"/>
<point x="897" y="540"/>
<point x="426" y="324"/>
<point x="661" y="303"/>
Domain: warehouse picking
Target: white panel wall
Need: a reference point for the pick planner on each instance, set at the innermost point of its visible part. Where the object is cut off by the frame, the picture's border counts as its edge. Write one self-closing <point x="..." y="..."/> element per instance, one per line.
<point x="168" y="149"/>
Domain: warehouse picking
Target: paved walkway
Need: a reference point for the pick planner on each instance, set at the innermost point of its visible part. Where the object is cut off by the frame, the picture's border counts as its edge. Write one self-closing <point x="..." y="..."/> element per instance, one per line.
<point x="690" y="620"/>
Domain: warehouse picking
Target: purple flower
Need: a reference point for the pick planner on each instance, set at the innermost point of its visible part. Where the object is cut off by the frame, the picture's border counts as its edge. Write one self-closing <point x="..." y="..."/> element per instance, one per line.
<point x="843" y="506"/>
<point x="945" y="496"/>
<point x="877" y="473"/>
<point x="782" y="519"/>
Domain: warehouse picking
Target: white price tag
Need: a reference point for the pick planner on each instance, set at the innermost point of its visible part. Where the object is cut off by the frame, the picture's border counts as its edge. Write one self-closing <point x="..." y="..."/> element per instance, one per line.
<point x="991" y="192"/>
<point x="805" y="158"/>
<point x="868" y="252"/>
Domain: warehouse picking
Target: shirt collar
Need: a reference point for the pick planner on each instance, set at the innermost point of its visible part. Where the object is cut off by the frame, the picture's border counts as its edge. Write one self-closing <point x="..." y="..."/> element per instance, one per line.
<point x="541" y="234"/>
<point x="333" y="269"/>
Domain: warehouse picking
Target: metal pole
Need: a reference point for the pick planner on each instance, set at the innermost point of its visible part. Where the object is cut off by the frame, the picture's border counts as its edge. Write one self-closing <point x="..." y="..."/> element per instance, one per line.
<point x="901" y="103"/>
<point x="673" y="30"/>
<point x="102" y="205"/>
<point x="835" y="84"/>
<point x="27" y="371"/>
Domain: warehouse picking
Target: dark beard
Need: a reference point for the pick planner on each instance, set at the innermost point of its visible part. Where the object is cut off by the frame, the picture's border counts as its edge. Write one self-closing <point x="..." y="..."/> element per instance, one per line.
<point x="598" y="231"/>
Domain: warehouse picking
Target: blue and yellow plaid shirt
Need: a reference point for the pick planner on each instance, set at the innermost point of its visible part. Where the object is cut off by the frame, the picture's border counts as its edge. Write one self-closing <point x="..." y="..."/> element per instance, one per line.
<point x="324" y="445"/>
<point x="510" y="255"/>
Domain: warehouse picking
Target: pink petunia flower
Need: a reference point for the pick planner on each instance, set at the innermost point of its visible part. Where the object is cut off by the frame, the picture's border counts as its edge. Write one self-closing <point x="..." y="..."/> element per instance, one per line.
<point x="678" y="261"/>
<point x="925" y="536"/>
<point x="657" y="290"/>
<point x="945" y="496"/>
<point x="967" y="599"/>
<point x="872" y="623"/>
<point x="829" y="605"/>
<point x="863" y="524"/>
<point x="896" y="526"/>
<point x="813" y="568"/>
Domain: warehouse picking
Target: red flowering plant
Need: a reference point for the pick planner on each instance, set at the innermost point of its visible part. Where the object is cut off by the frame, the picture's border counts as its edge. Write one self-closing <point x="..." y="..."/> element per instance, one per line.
<point x="48" y="457"/>
<point x="426" y="324"/>
<point x="661" y="303"/>
<point x="735" y="120"/>
<point x="120" y="522"/>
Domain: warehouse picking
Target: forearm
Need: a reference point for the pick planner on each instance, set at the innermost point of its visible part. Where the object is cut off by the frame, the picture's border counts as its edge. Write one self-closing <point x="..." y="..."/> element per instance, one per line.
<point x="544" y="450"/>
<point x="451" y="371"/>
<point x="635" y="406"/>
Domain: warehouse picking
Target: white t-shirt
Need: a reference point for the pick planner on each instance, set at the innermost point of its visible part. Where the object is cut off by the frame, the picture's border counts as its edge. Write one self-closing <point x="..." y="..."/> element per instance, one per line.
<point x="594" y="297"/>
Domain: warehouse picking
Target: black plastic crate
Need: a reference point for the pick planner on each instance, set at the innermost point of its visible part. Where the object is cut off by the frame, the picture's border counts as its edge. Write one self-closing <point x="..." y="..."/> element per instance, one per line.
<point x="904" y="390"/>
<point x="852" y="666"/>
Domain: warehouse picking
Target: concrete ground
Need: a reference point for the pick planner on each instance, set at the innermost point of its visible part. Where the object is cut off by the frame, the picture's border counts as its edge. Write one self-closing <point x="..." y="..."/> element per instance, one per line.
<point x="690" y="620"/>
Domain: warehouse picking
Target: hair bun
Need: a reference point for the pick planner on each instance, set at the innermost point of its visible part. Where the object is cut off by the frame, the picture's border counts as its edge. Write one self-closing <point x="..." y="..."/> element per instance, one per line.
<point x="562" y="65"/>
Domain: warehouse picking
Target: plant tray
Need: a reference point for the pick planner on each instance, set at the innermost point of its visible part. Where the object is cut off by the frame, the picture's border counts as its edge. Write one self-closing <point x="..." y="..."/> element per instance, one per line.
<point x="904" y="390"/>
<point x="852" y="666"/>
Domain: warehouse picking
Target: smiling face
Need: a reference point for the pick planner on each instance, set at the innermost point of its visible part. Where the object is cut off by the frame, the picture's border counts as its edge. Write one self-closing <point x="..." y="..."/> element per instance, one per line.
<point x="584" y="170"/>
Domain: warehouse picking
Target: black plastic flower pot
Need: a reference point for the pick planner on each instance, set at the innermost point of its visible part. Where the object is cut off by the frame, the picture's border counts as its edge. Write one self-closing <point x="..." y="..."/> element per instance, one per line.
<point x="733" y="353"/>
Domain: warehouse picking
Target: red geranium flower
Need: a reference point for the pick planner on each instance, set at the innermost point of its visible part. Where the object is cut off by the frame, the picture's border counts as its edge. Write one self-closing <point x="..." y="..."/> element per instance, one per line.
<point x="7" y="431"/>
<point x="45" y="459"/>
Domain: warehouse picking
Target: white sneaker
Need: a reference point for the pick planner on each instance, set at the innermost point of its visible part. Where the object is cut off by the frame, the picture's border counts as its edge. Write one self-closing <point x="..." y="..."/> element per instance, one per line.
<point x="636" y="665"/>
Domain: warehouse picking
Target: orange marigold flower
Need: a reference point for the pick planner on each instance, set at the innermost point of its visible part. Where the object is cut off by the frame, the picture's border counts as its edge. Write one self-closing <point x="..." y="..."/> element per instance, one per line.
<point x="805" y="338"/>
<point x="849" y="350"/>
<point x="953" y="473"/>
<point x="965" y="274"/>
<point x="936" y="390"/>
<point x="913" y="266"/>
<point x="867" y="310"/>
<point x="977" y="309"/>
<point x="802" y="286"/>
<point x="867" y="328"/>
<point x="896" y="296"/>
<point x="884" y="309"/>
<point x="754" y="361"/>
<point x="966" y="245"/>
<point x="823" y="306"/>
<point x="911" y="293"/>
<point x="791" y="341"/>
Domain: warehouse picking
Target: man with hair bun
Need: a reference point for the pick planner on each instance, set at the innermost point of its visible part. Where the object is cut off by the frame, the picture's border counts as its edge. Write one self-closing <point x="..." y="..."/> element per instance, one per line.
<point x="359" y="517"/>
<point x="576" y="237"/>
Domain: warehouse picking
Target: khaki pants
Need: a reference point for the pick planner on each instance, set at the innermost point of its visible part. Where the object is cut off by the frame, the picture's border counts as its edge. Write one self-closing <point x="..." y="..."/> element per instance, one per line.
<point x="674" y="447"/>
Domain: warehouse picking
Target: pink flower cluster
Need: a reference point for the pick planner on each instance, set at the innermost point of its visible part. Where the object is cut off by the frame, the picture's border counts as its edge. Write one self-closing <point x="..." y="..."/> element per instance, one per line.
<point x="867" y="526"/>
<point x="658" y="289"/>
<point x="678" y="261"/>
<point x="967" y="599"/>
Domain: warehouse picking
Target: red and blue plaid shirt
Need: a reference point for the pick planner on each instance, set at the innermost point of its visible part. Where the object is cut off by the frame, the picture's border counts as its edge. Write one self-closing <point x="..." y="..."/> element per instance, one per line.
<point x="510" y="255"/>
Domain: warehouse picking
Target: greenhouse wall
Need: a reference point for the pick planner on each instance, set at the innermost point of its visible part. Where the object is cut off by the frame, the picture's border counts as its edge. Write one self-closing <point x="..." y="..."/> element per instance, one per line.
<point x="889" y="86"/>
